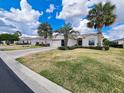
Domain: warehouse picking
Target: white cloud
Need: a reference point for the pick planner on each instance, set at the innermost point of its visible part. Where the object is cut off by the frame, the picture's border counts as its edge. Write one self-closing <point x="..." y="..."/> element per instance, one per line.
<point x="50" y="9"/>
<point x="79" y="8"/>
<point x="117" y="32"/>
<point x="24" y="19"/>
<point x="106" y="35"/>
<point x="83" y="27"/>
<point x="49" y="17"/>
<point x="74" y="10"/>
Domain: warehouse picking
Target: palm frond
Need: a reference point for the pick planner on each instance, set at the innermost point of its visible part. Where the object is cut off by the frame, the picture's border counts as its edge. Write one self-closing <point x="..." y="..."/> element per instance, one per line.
<point x="101" y="14"/>
<point x="90" y="24"/>
<point x="45" y="30"/>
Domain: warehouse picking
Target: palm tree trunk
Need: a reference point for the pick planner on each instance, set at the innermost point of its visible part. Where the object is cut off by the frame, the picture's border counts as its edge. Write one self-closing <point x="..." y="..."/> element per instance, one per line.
<point x="99" y="37"/>
<point x="66" y="42"/>
<point x="45" y="41"/>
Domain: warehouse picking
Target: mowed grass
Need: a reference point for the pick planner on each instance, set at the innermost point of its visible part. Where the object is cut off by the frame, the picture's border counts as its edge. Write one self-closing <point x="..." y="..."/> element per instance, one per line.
<point x="17" y="47"/>
<point x="81" y="70"/>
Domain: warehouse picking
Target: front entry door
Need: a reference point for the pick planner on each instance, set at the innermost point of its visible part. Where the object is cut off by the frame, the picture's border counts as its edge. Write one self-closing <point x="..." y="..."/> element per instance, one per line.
<point x="80" y="42"/>
<point x="62" y="42"/>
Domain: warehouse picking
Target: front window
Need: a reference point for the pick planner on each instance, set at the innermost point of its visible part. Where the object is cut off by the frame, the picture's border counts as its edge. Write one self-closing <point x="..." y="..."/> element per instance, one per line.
<point x="91" y="42"/>
<point x="62" y="42"/>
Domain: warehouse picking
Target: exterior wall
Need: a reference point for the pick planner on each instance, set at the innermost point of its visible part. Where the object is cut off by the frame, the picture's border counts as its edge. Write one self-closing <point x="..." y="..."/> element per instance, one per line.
<point x="25" y="41"/>
<point x="33" y="42"/>
<point x="58" y="37"/>
<point x="85" y="41"/>
<point x="121" y="42"/>
<point x="3" y="43"/>
<point x="72" y="42"/>
<point x="40" y="41"/>
<point x="55" y="43"/>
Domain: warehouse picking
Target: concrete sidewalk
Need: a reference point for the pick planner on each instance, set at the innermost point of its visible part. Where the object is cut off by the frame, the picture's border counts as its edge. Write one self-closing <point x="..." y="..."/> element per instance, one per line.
<point x="33" y="80"/>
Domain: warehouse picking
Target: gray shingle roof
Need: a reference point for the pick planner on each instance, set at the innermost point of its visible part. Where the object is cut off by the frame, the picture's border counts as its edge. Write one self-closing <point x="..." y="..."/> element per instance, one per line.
<point x="118" y="40"/>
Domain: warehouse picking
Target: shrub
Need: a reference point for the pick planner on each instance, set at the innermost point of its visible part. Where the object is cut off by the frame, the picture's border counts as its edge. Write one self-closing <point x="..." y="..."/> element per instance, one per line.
<point x="37" y="44"/>
<point x="75" y="47"/>
<point x="43" y="45"/>
<point x="106" y="44"/>
<point x="106" y="47"/>
<point x="72" y="47"/>
<point x="63" y="48"/>
<point x="67" y="48"/>
<point x="96" y="48"/>
<point x="106" y="41"/>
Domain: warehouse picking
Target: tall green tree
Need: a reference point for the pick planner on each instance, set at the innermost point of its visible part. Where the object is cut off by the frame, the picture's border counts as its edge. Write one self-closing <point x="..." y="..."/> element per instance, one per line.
<point x="9" y="38"/>
<point x="45" y="31"/>
<point x="101" y="15"/>
<point x="68" y="32"/>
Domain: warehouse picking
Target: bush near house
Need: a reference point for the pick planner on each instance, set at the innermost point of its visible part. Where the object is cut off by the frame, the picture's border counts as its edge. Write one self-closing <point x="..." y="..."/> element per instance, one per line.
<point x="75" y="47"/>
<point x="106" y="44"/>
<point x="43" y="45"/>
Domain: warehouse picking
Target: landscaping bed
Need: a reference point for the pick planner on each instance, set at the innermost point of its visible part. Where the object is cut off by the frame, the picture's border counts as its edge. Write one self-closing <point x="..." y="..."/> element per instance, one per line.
<point x="81" y="70"/>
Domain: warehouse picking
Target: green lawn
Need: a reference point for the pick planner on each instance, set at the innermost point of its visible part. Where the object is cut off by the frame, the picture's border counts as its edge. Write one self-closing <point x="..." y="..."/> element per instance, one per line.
<point x="81" y="70"/>
<point x="17" y="47"/>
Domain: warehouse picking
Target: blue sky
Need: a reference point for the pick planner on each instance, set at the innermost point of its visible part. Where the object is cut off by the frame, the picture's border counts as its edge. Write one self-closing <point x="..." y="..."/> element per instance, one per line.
<point x="25" y="15"/>
<point x="40" y="5"/>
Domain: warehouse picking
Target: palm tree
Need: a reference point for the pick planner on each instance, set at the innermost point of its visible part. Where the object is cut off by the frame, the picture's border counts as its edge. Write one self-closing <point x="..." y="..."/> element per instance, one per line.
<point x="16" y="36"/>
<point x="101" y="15"/>
<point x="68" y="32"/>
<point x="18" y="33"/>
<point x="45" y="30"/>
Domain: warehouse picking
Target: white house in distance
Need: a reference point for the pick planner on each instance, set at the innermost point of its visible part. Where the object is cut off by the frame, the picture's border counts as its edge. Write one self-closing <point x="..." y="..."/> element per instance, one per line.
<point x="120" y="41"/>
<point x="85" y="40"/>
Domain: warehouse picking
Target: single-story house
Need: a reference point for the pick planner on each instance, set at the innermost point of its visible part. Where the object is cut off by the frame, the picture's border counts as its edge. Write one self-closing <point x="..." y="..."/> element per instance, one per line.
<point x="32" y="40"/>
<point x="85" y="40"/>
<point x="120" y="41"/>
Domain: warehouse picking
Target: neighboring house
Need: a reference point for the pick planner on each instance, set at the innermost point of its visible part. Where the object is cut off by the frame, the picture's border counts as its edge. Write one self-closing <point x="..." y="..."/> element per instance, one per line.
<point x="31" y="40"/>
<point x="57" y="41"/>
<point x="120" y="41"/>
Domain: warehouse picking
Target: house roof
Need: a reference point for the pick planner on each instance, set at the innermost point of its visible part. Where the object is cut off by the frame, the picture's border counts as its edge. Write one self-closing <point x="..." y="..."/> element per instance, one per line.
<point x="30" y="38"/>
<point x="122" y="39"/>
<point x="59" y="37"/>
<point x="89" y="34"/>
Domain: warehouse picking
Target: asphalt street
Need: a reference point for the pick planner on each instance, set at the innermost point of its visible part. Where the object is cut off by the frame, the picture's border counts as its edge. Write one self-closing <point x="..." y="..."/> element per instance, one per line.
<point x="9" y="81"/>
